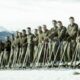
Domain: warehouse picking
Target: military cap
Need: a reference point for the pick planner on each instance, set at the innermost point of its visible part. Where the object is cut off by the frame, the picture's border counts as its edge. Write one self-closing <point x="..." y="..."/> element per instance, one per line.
<point x="17" y="31"/>
<point x="39" y="26"/>
<point x="23" y="30"/>
<point x="59" y="22"/>
<point x="35" y="29"/>
<point x="28" y="28"/>
<point x="44" y="25"/>
<point x="54" y="21"/>
<point x="71" y="17"/>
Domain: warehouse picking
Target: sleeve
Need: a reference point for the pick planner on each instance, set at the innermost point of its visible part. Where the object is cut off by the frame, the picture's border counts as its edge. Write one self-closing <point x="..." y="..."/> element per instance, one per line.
<point x="62" y="32"/>
<point x="75" y="29"/>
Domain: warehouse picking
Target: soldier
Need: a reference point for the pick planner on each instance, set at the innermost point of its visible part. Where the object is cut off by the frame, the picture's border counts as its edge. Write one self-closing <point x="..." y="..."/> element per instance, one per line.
<point x="77" y="55"/>
<point x="61" y="31"/>
<point x="30" y="47"/>
<point x="1" y="53"/>
<point x="7" y="51"/>
<point x="12" y="40"/>
<point x="0" y="46"/>
<point x="12" y="50"/>
<point x="17" y="49"/>
<point x="20" y="51"/>
<point x="40" y="34"/>
<point x="72" y="33"/>
<point x="40" y="45"/>
<point x="23" y="45"/>
<point x="61" y="39"/>
<point x="45" y="54"/>
<point x="53" y="31"/>
<point x="53" y="41"/>
<point x="35" y="46"/>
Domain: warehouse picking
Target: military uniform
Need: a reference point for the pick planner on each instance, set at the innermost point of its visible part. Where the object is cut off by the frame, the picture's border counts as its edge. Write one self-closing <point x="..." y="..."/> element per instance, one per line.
<point x="30" y="49"/>
<point x="23" y="43"/>
<point x="12" y="52"/>
<point x="72" y="33"/>
<point x="45" y="55"/>
<point x="40" y="46"/>
<point x="17" y="49"/>
<point x="77" y="53"/>
<point x="7" y="52"/>
<point x="1" y="53"/>
<point x="61" y="42"/>
<point x="35" y="47"/>
<point x="53" y="33"/>
<point x="53" y="43"/>
<point x="61" y="33"/>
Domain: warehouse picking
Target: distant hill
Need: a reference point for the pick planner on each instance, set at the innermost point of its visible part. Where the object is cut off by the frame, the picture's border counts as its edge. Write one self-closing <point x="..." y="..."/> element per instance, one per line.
<point x="4" y="33"/>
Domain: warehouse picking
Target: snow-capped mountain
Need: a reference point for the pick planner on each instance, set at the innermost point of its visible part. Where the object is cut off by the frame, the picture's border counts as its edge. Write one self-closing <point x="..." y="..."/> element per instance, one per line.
<point x="4" y="33"/>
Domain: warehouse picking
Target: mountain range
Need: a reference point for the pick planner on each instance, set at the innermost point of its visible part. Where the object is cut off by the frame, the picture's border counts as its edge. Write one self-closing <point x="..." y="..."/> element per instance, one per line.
<point x="4" y="33"/>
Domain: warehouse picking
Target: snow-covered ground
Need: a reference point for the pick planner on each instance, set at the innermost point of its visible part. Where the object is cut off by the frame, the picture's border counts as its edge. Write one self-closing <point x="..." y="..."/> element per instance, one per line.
<point x="40" y="74"/>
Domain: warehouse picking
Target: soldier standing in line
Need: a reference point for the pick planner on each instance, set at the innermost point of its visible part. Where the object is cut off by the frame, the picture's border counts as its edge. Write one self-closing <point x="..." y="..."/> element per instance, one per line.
<point x="12" y="50"/>
<point x="30" y="48"/>
<point x="61" y="39"/>
<point x="77" y="55"/>
<point x="46" y="48"/>
<point x="53" y="41"/>
<point x="16" y="49"/>
<point x="1" y="53"/>
<point x="0" y="46"/>
<point x="72" y="33"/>
<point x="20" y="51"/>
<point x="40" y="46"/>
<point x="24" y="46"/>
<point x="7" y="52"/>
<point x="35" y="46"/>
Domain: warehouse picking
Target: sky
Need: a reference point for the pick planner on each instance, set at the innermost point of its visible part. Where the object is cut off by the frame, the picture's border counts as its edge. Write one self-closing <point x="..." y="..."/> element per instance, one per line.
<point x="20" y="14"/>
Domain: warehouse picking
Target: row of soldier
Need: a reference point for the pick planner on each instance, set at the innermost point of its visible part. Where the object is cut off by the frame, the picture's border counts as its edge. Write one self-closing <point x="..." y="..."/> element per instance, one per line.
<point x="43" y="48"/>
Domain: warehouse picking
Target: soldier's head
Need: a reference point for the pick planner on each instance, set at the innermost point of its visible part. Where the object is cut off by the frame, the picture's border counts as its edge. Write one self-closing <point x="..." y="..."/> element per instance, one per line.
<point x="35" y="31"/>
<point x="17" y="33"/>
<point x="54" y="22"/>
<point x="40" y="29"/>
<point x="20" y="34"/>
<point x="23" y="32"/>
<point x="44" y="28"/>
<point x="59" y="24"/>
<point x="71" y="19"/>
<point x="28" y="30"/>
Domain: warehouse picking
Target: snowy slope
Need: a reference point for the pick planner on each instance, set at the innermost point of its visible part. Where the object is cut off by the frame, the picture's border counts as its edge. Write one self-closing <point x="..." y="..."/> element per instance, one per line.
<point x="41" y="74"/>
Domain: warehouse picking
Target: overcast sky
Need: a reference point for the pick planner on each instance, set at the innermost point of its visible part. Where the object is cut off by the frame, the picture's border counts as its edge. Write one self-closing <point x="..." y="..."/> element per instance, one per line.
<point x="19" y="14"/>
